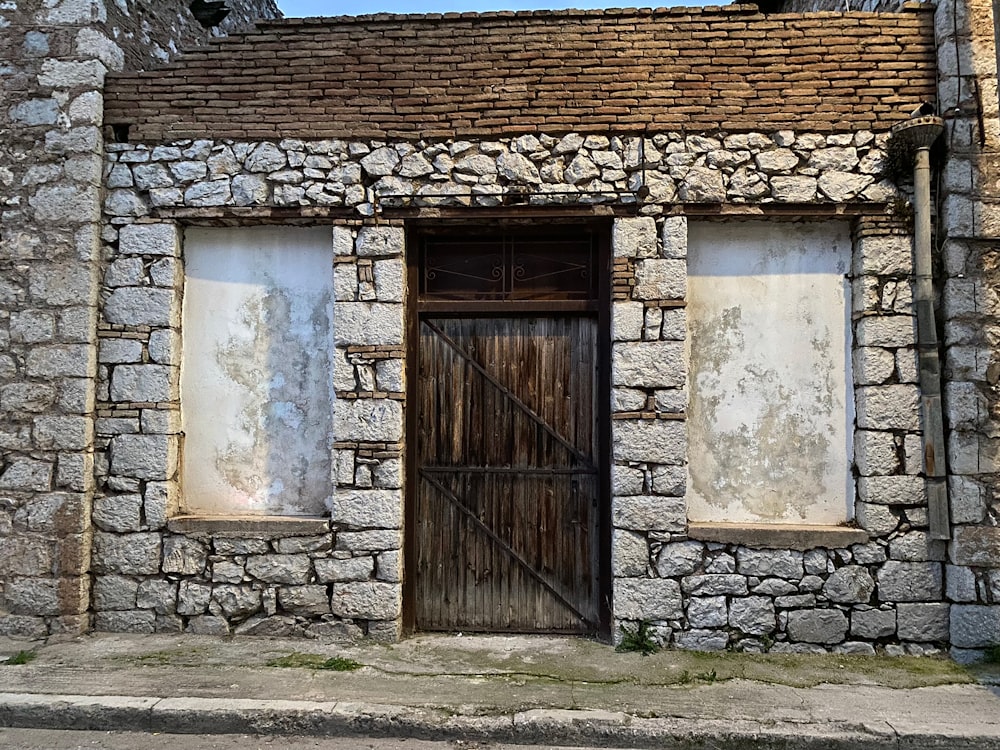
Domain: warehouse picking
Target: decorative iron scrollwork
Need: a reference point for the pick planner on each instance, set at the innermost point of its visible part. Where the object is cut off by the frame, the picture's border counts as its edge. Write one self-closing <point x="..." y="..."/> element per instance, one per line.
<point x="509" y="266"/>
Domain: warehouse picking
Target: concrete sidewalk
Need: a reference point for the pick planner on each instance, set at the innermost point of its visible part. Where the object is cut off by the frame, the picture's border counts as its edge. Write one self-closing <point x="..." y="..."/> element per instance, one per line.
<point x="514" y="689"/>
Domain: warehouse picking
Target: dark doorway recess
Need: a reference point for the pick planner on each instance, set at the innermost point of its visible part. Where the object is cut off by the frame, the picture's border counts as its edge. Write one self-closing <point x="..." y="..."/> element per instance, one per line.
<point x="508" y="422"/>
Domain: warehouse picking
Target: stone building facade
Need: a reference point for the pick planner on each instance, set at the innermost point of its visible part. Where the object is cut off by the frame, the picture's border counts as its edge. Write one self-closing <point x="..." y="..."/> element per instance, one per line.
<point x="786" y="511"/>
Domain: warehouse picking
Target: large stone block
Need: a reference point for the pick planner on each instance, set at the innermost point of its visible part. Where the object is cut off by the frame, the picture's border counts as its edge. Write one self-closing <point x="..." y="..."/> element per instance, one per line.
<point x="679" y="559"/>
<point x="753" y="615"/>
<point x="369" y="541"/>
<point x="141" y="306"/>
<point x="851" y="584"/>
<point x="149" y="239"/>
<point x="60" y="285"/>
<point x="67" y="74"/>
<point x="120" y="513"/>
<point x="763" y="563"/>
<point x="358" y="568"/>
<point x="135" y="621"/>
<point x="707" y="612"/>
<point x="978" y="546"/>
<point x="161" y="500"/>
<point x="660" y="279"/>
<point x="658" y="441"/>
<point x="65" y="360"/>
<point x="629" y="554"/>
<point x="960" y="584"/>
<point x="634" y="237"/>
<point x="702" y="640"/>
<point x="368" y="509"/>
<point x="649" y="513"/>
<point x="158" y="595"/>
<point x="114" y="592"/>
<point x="116" y="351"/>
<point x="280" y="568"/>
<point x="910" y="581"/>
<point x="236" y="602"/>
<point x="165" y="347"/>
<point x="873" y="623"/>
<point x="380" y="240"/>
<point x="826" y="626"/>
<point x="126" y="554"/>
<point x="59" y="203"/>
<point x="142" y="383"/>
<point x="308" y="601"/>
<point x="32" y="596"/>
<point x="626" y="320"/>
<point x="887" y="330"/>
<point x="378" y="420"/>
<point x="25" y="556"/>
<point x="370" y="600"/>
<point x="794" y="189"/>
<point x="877" y="520"/>
<point x="193" y="597"/>
<point x="144" y="456"/>
<point x="373" y="323"/>
<point x="888" y="407"/>
<point x="647" y="599"/>
<point x="674" y="236"/>
<point x="872" y="365"/>
<point x="883" y="255"/>
<point x="975" y="626"/>
<point x="923" y="623"/>
<point x="649" y="364"/>
<point x="875" y="453"/>
<point x="389" y="280"/>
<point x="32" y="112"/>
<point x="32" y="326"/>
<point x="892" y="490"/>
<point x="184" y="556"/>
<point x="54" y="512"/>
<point x="27" y="475"/>
<point x="916" y="546"/>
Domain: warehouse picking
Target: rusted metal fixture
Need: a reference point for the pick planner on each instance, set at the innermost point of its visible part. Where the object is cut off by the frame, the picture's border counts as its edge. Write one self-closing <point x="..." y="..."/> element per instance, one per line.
<point x="920" y="133"/>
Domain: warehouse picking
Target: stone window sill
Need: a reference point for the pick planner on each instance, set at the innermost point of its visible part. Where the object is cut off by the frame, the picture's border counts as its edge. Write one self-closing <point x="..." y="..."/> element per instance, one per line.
<point x="249" y="527"/>
<point x="770" y="536"/>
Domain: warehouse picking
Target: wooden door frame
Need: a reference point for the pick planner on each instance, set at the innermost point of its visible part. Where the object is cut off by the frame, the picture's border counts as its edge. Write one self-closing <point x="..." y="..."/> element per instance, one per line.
<point x="602" y="231"/>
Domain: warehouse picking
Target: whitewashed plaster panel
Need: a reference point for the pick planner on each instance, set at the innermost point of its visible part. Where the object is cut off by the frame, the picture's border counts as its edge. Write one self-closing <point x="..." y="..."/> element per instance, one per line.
<point x="770" y="396"/>
<point x="256" y="378"/>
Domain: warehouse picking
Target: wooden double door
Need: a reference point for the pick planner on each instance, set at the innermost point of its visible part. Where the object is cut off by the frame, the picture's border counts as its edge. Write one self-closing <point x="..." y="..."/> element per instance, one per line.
<point x="507" y="518"/>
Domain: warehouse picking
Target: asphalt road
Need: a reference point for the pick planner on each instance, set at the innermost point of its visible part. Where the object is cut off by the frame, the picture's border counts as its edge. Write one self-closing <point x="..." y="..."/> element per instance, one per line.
<point x="46" y="739"/>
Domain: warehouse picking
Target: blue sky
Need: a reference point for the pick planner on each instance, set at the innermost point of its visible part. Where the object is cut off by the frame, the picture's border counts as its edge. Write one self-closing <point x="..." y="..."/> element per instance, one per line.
<point x="293" y="8"/>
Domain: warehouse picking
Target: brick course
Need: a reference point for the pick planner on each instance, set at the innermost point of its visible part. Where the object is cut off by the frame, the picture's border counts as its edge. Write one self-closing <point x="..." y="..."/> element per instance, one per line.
<point x="384" y="76"/>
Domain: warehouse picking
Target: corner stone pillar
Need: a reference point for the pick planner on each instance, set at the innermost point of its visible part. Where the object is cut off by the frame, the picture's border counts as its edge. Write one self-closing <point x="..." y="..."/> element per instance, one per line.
<point x="649" y="399"/>
<point x="50" y="172"/>
<point x="367" y="512"/>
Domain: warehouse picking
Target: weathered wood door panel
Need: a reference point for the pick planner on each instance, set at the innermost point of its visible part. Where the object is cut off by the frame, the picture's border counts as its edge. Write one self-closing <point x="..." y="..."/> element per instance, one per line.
<point x="507" y="487"/>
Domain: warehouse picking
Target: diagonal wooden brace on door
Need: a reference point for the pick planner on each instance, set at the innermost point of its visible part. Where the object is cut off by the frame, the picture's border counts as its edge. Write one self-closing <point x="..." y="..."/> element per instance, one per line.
<point x="508" y="394"/>
<point x="478" y="523"/>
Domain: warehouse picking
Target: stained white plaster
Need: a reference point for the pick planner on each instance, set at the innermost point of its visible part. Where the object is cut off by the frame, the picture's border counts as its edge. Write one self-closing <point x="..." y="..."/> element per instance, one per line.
<point x="771" y="403"/>
<point x="256" y="376"/>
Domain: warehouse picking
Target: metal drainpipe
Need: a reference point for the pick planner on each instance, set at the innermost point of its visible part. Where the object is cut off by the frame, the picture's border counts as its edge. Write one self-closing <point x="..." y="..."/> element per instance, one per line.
<point x="920" y="133"/>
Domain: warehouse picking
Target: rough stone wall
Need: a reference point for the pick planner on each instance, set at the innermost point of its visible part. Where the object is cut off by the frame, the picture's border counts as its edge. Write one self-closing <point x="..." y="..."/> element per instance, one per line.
<point x="53" y="59"/>
<point x="345" y="577"/>
<point x="855" y="596"/>
<point x="152" y="34"/>
<point x="968" y="254"/>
